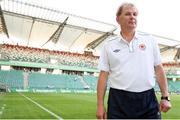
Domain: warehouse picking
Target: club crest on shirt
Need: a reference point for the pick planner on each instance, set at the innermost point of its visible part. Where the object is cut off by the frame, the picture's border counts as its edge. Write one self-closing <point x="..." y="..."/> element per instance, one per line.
<point x="116" y="50"/>
<point x="142" y="46"/>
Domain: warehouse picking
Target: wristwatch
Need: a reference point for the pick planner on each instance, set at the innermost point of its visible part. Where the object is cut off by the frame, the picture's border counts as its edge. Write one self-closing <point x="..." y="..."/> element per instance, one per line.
<point x="165" y="98"/>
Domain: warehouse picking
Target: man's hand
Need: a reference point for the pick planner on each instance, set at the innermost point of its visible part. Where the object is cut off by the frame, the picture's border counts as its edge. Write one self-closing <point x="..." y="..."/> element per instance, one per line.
<point x="101" y="90"/>
<point x="101" y="113"/>
<point x="165" y="105"/>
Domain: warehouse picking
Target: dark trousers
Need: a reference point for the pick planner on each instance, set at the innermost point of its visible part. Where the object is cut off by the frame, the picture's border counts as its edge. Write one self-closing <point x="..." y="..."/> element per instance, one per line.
<point x="132" y="105"/>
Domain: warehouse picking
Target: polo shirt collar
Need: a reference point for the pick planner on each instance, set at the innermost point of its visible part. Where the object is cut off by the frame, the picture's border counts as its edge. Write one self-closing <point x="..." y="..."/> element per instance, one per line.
<point x="135" y="37"/>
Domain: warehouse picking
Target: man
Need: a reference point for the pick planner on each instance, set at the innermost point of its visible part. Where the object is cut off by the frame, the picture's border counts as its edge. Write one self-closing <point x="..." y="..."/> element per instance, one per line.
<point x="130" y="61"/>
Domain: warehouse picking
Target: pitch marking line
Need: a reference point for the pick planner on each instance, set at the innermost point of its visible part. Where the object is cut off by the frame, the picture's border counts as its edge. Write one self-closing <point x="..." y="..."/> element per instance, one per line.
<point x="45" y="109"/>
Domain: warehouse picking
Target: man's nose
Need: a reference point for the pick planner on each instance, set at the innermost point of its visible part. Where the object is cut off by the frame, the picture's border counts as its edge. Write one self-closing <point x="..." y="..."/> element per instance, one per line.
<point x="133" y="17"/>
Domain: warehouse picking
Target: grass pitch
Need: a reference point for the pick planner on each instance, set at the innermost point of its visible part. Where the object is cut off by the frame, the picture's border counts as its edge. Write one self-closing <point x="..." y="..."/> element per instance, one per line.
<point x="67" y="106"/>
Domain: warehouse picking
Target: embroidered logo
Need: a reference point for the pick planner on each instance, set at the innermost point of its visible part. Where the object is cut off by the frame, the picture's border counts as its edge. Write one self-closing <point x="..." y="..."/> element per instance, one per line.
<point x="142" y="46"/>
<point x="117" y="50"/>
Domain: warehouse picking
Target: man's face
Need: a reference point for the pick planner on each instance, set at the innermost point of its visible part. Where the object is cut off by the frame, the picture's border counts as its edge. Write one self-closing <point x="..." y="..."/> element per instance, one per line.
<point x="128" y="18"/>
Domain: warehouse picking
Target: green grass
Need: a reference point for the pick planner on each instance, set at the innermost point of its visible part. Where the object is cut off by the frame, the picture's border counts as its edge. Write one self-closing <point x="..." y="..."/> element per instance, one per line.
<point x="16" y="107"/>
<point x="174" y="113"/>
<point x="80" y="106"/>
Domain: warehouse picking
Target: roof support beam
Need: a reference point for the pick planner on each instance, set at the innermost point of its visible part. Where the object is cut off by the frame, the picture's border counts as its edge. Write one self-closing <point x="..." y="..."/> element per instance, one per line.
<point x="165" y="48"/>
<point x="168" y="47"/>
<point x="3" y="28"/>
<point x="84" y="32"/>
<point x="177" y="56"/>
<point x="30" y="31"/>
<point x="55" y="36"/>
<point x="99" y="40"/>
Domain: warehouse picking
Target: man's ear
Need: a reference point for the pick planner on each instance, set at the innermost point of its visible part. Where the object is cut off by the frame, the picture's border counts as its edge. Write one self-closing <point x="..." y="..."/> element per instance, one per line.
<point x="117" y="19"/>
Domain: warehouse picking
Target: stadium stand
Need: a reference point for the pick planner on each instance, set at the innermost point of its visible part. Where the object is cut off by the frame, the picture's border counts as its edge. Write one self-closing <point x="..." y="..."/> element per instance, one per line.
<point x="91" y="80"/>
<point x="49" y="81"/>
<point x="12" y="79"/>
<point x="15" y="80"/>
<point x="28" y="54"/>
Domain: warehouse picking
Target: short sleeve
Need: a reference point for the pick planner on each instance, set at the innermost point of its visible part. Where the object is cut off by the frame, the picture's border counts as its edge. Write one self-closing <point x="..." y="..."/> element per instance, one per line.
<point x="156" y="53"/>
<point x="103" y="60"/>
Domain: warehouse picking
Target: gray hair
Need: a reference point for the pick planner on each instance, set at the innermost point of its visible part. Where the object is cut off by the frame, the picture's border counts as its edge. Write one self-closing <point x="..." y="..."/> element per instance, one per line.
<point x="119" y="11"/>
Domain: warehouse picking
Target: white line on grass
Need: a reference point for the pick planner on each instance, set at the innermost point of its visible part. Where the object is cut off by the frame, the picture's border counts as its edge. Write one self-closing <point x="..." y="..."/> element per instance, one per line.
<point x="1" y="112"/>
<point x="45" y="109"/>
<point x="2" y="108"/>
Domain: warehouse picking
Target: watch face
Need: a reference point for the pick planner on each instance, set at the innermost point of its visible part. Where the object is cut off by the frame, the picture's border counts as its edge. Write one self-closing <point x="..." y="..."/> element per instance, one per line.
<point x="168" y="98"/>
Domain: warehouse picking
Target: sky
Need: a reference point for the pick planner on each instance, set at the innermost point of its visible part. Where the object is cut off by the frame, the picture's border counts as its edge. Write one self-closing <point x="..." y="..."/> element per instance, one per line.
<point x="158" y="17"/>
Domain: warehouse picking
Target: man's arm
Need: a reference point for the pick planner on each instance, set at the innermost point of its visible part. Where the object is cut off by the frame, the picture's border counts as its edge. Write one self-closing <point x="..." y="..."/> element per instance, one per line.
<point x="101" y="90"/>
<point x="162" y="81"/>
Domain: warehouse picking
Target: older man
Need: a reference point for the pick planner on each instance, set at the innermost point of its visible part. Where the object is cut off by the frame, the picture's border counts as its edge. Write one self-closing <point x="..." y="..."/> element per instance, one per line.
<point x="130" y="61"/>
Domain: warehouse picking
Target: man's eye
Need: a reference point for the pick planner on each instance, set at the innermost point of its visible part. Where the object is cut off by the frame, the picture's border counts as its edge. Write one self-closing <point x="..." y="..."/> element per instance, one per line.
<point x="135" y="14"/>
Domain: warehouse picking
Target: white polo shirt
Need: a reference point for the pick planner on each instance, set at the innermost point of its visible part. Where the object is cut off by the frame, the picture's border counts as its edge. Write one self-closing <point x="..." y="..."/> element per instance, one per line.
<point x="130" y="65"/>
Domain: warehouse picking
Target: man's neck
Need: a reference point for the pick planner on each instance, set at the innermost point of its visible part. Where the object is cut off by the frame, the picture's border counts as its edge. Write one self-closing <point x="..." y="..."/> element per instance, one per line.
<point x="128" y="35"/>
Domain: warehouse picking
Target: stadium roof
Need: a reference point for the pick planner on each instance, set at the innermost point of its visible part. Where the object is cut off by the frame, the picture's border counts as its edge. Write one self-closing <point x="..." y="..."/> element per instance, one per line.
<point x="33" y="25"/>
<point x="36" y="26"/>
